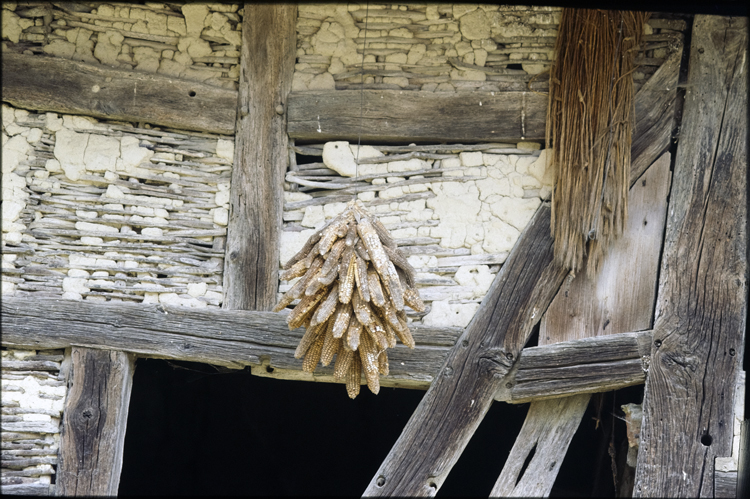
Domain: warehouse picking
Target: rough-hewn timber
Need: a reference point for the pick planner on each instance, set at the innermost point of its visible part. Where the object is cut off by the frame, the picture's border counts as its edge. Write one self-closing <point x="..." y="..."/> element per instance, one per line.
<point x="390" y="115"/>
<point x="260" y="156"/>
<point x="701" y="308"/>
<point x="64" y="86"/>
<point x="235" y="338"/>
<point x="94" y="421"/>
<point x="464" y="388"/>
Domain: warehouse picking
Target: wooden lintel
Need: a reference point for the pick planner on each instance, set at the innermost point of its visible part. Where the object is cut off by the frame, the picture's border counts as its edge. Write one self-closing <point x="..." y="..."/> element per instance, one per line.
<point x="94" y="422"/>
<point x="231" y="338"/>
<point x="261" y="156"/>
<point x="44" y="83"/>
<point x="396" y="116"/>
<point x="701" y="311"/>
<point x="262" y="340"/>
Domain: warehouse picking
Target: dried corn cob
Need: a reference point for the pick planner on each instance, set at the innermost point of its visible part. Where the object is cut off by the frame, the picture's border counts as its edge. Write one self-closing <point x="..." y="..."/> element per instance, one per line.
<point x="352" y="277"/>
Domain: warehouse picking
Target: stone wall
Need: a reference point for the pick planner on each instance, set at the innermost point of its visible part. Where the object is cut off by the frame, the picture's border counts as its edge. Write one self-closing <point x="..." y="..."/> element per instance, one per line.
<point x="194" y="41"/>
<point x="456" y="210"/>
<point x="33" y="397"/>
<point x="440" y="47"/>
<point x="107" y="211"/>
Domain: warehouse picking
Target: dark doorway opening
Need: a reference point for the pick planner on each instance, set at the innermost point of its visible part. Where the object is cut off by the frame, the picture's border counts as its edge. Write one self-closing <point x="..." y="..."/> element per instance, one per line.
<point x="194" y="429"/>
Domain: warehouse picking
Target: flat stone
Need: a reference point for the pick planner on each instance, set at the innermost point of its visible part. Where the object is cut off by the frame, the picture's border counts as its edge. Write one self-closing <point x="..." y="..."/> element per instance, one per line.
<point x="445" y="314"/>
<point x="70" y="148"/>
<point x="338" y="157"/>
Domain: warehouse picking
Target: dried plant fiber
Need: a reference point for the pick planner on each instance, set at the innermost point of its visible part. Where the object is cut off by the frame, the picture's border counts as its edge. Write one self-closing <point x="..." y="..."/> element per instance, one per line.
<point x="589" y="125"/>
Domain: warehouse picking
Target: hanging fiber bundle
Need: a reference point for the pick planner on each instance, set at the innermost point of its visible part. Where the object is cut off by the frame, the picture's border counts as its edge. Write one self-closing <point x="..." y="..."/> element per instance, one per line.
<point x="354" y="283"/>
<point x="589" y="124"/>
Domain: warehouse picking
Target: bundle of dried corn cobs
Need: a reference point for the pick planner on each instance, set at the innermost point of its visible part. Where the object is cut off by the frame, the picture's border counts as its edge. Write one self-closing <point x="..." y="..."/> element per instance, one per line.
<point x="353" y="288"/>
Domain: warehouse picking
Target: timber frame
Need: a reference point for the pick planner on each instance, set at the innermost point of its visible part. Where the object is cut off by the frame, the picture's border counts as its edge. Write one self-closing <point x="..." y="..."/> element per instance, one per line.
<point x="691" y="355"/>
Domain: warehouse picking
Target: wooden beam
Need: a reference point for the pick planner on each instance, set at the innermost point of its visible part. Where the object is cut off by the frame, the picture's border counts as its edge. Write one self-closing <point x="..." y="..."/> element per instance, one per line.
<point x="395" y="116"/>
<point x="655" y="105"/>
<point x="231" y="338"/>
<point x="94" y="421"/>
<point x="702" y="309"/>
<point x="51" y="84"/>
<point x="476" y="367"/>
<point x="262" y="340"/>
<point x="260" y="156"/>
<point x="589" y="365"/>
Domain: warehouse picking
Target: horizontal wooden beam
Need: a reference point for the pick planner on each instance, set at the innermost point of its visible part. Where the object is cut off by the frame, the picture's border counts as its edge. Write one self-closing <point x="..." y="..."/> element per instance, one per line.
<point x="588" y="365"/>
<point x="232" y="338"/>
<point x="393" y="116"/>
<point x="237" y="338"/>
<point x="59" y="85"/>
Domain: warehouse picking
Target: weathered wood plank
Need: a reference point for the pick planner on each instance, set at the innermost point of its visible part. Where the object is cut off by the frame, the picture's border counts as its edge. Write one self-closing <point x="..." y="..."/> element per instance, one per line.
<point x="231" y="338"/>
<point x="94" y="422"/>
<point x="701" y="310"/>
<point x="462" y="392"/>
<point x="64" y="86"/>
<point x="260" y="156"/>
<point x="725" y="484"/>
<point x="618" y="299"/>
<point x="545" y="442"/>
<point x="621" y="297"/>
<point x="655" y="105"/>
<point x="394" y="116"/>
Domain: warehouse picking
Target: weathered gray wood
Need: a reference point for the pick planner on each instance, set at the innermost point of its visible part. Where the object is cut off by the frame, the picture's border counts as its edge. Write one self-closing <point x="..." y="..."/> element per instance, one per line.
<point x="655" y="105"/>
<point x="94" y="422"/>
<point x="231" y="338"/>
<point x="547" y="440"/>
<point x="28" y="489"/>
<point x="260" y="156"/>
<point x="72" y="87"/>
<point x="618" y="299"/>
<point x="725" y="484"/>
<point x="621" y="296"/>
<point x="395" y="116"/>
<point x="588" y="365"/>
<point x="701" y="310"/>
<point x="743" y="470"/>
<point x="462" y="392"/>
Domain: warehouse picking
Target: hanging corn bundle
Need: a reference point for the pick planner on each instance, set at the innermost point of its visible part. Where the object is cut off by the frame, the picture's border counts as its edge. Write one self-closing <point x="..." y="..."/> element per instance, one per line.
<point x="589" y="124"/>
<point x="354" y="283"/>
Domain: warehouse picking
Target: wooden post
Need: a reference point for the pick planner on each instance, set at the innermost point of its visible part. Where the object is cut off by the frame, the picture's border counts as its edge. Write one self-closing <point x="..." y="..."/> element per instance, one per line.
<point x="94" y="421"/>
<point x="260" y="156"/>
<point x="619" y="299"/>
<point x="701" y="309"/>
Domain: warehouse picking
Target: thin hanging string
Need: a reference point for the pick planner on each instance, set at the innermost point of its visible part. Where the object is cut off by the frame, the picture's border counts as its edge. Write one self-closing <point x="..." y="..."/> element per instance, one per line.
<point x="361" y="102"/>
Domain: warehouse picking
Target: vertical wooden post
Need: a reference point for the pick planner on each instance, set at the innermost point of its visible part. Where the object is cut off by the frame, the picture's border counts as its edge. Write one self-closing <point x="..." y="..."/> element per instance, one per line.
<point x="94" y="421"/>
<point x="260" y="156"/>
<point x="702" y="305"/>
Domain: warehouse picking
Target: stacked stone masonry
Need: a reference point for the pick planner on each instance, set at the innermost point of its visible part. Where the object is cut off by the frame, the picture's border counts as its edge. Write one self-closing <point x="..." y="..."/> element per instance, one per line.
<point x="33" y="397"/>
<point x="106" y="211"/>
<point x="441" y="47"/>
<point x="456" y="210"/>
<point x="193" y="41"/>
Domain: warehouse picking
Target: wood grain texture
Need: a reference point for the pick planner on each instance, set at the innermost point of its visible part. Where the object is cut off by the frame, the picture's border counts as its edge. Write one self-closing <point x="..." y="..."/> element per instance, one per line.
<point x="655" y="105"/>
<point x="71" y="87"/>
<point x="231" y="338"/>
<point x="260" y="157"/>
<point x="462" y="392"/>
<point x="546" y="439"/>
<point x="618" y="299"/>
<point x="701" y="309"/>
<point x="621" y="296"/>
<point x="94" y="422"/>
<point x="396" y="116"/>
